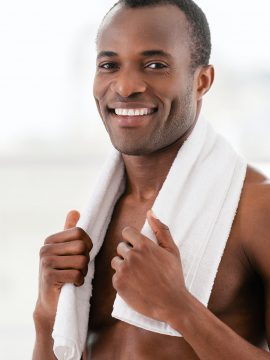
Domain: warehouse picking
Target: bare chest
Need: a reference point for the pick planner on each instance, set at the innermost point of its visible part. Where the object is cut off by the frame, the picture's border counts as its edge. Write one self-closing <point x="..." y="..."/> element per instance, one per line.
<point x="125" y="214"/>
<point x="233" y="295"/>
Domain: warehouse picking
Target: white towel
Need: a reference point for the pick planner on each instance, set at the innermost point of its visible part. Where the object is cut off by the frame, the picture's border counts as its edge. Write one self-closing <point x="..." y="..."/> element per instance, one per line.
<point x="198" y="201"/>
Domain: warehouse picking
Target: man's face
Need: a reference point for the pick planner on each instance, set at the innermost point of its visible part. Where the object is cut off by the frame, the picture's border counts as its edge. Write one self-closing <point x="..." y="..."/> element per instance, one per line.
<point x="143" y="87"/>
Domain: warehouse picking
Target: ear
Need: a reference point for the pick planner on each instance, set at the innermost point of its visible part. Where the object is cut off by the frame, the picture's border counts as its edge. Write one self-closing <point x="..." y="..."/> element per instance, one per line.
<point x="204" y="77"/>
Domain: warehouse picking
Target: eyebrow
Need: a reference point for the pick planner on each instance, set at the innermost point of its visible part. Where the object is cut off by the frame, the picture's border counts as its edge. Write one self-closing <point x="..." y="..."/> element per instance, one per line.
<point x="106" y="54"/>
<point x="163" y="53"/>
<point x="146" y="53"/>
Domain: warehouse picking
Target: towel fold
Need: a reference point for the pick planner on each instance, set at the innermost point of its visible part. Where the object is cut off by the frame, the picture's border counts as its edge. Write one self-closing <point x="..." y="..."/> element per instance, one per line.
<point x="198" y="201"/>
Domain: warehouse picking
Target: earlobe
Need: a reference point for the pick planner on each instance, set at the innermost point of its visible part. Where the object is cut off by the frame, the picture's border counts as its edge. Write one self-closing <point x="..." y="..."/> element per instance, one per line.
<point x="205" y="80"/>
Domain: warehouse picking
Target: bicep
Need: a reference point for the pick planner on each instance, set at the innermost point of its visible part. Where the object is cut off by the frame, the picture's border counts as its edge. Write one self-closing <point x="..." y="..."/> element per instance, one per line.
<point x="257" y="249"/>
<point x="261" y="265"/>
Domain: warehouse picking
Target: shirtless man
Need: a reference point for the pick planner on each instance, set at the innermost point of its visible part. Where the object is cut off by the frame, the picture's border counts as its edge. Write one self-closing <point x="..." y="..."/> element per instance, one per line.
<point x="152" y="57"/>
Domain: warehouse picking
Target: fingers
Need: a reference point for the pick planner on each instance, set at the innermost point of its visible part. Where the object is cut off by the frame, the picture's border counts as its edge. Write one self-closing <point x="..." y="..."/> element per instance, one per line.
<point x="54" y="277"/>
<point x="140" y="242"/>
<point x="116" y="263"/>
<point x="70" y="235"/>
<point x="76" y="247"/>
<point x="71" y="219"/>
<point x="134" y="237"/>
<point x="162" y="232"/>
<point x="67" y="250"/>
<point x="79" y="262"/>
<point x="64" y="258"/>
<point x="123" y="249"/>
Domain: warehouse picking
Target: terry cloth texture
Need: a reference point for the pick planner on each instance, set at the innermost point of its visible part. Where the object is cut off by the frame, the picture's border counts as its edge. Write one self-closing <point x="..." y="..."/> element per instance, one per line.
<point x="198" y="201"/>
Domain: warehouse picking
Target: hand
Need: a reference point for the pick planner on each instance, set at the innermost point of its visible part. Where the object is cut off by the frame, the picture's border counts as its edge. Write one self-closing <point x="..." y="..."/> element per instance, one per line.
<point x="149" y="276"/>
<point x="64" y="259"/>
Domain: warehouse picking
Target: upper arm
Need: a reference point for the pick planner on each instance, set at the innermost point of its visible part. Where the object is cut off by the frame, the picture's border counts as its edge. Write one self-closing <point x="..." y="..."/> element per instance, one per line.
<point x="257" y="240"/>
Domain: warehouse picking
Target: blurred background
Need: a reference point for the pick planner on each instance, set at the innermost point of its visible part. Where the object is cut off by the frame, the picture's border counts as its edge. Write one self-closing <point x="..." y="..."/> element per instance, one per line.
<point x="52" y="142"/>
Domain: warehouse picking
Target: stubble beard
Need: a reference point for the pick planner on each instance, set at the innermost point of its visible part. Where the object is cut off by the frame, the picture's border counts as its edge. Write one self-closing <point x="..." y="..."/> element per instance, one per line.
<point x="179" y="121"/>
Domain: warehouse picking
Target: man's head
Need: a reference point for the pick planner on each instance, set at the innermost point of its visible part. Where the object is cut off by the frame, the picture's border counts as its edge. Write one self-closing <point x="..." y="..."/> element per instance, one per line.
<point x="197" y="26"/>
<point x="153" y="58"/>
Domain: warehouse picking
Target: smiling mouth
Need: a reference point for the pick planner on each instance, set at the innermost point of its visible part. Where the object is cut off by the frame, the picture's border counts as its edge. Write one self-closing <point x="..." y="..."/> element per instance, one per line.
<point x="133" y="112"/>
<point x="132" y="117"/>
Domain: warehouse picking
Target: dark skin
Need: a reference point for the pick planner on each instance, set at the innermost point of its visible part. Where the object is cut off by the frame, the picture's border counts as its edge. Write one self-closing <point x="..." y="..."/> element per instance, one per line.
<point x="235" y="325"/>
<point x="237" y="297"/>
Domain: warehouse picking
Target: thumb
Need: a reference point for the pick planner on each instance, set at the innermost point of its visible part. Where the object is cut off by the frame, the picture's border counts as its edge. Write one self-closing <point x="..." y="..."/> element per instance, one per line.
<point x="72" y="219"/>
<point x="162" y="232"/>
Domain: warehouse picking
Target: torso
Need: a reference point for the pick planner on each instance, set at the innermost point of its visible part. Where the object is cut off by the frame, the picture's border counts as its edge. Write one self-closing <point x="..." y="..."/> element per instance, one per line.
<point x="236" y="298"/>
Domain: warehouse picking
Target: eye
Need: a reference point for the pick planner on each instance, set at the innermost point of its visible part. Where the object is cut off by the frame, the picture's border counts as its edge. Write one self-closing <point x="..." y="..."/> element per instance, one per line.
<point x="108" y="66"/>
<point x="156" y="65"/>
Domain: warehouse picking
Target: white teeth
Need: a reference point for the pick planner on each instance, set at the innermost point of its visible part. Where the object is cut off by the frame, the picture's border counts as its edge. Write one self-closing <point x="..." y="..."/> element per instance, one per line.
<point x="143" y="111"/>
<point x="133" y="112"/>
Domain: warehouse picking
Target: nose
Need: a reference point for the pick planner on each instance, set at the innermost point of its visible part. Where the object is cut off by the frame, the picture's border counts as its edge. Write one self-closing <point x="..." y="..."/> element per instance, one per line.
<point x="128" y="83"/>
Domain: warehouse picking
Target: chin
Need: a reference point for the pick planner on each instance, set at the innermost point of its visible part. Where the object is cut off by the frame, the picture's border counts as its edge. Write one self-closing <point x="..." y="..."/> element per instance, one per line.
<point x="132" y="150"/>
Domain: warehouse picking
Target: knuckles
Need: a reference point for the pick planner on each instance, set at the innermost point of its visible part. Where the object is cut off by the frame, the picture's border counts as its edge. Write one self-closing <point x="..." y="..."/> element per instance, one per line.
<point x="80" y="247"/>
<point x="118" y="248"/>
<point x="79" y="233"/>
<point x="121" y="271"/>
<point x="84" y="265"/>
<point x="49" y="240"/>
<point x="69" y="235"/>
<point x="116" y="282"/>
<point x="52" y="277"/>
<point x="120" y="276"/>
<point x="47" y="261"/>
<point x="78" y="277"/>
<point x="113" y="262"/>
<point x="142" y="246"/>
<point x="43" y="251"/>
<point x="83" y="262"/>
<point x="80" y="283"/>
<point x="130" y="258"/>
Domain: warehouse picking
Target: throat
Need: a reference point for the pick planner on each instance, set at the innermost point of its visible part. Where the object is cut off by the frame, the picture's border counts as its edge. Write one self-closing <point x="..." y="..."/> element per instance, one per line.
<point x="145" y="174"/>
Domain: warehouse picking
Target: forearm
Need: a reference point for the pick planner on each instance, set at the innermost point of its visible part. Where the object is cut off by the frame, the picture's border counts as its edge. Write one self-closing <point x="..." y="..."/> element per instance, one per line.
<point x="43" y="348"/>
<point x="210" y="338"/>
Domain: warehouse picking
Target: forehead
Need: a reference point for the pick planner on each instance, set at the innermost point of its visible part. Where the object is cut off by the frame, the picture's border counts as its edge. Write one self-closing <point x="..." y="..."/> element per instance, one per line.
<point x="137" y="29"/>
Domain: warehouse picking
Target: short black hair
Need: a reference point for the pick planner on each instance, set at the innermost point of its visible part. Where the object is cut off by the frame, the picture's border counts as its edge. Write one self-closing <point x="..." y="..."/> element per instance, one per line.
<point x="200" y="36"/>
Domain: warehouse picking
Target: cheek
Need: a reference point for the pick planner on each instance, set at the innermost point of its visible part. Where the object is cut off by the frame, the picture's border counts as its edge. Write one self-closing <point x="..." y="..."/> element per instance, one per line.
<point x="98" y="95"/>
<point x="96" y="88"/>
<point x="100" y="87"/>
<point x="168" y="88"/>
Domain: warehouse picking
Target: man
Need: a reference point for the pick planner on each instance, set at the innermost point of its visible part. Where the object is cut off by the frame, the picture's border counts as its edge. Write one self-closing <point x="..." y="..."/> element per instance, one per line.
<point x="153" y="57"/>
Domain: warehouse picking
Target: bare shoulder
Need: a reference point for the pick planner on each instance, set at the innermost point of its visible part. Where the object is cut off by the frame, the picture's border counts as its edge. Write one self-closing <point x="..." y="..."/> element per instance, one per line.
<point x="255" y="198"/>
<point x="254" y="218"/>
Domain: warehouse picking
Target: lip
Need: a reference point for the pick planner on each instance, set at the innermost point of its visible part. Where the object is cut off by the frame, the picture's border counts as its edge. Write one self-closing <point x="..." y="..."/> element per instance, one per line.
<point x="130" y="105"/>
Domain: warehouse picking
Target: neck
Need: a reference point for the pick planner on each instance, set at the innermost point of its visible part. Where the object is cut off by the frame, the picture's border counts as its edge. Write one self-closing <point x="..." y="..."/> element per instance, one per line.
<point x="145" y="174"/>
